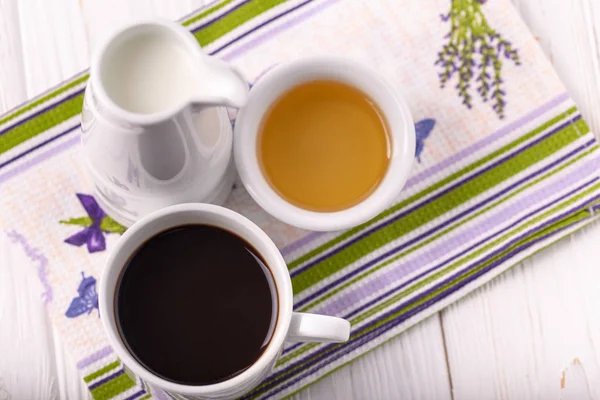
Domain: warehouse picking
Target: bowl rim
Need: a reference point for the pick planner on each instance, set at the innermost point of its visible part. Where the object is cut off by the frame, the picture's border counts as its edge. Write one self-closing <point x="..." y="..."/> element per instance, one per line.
<point x="284" y="77"/>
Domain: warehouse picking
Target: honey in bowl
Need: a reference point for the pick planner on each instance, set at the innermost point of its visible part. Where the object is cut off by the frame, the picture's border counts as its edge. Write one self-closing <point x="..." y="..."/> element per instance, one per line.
<point x="324" y="146"/>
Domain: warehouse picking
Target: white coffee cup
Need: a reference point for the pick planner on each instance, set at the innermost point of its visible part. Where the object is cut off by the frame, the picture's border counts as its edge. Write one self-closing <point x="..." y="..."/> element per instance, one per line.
<point x="286" y="76"/>
<point x="290" y="326"/>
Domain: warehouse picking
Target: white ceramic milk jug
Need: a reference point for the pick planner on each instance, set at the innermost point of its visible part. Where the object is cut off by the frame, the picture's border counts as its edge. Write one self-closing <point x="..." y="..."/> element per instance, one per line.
<point x="155" y="131"/>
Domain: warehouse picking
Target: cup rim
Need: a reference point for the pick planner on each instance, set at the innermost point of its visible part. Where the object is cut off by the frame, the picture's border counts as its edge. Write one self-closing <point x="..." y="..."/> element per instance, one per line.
<point x="274" y="262"/>
<point x="246" y="131"/>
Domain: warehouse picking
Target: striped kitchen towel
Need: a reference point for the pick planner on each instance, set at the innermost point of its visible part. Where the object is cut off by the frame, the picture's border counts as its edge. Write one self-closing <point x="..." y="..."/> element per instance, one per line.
<point x="505" y="165"/>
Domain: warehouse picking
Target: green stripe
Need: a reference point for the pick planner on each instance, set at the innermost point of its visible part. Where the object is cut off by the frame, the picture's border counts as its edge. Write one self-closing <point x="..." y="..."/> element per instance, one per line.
<point x="234" y="19"/>
<point x="449" y="269"/>
<point x="206" y="13"/>
<point x="101" y="371"/>
<point x="113" y="387"/>
<point x="387" y="262"/>
<point x="64" y="88"/>
<point x="582" y="215"/>
<point x="496" y="154"/>
<point x="487" y="248"/>
<point x="440" y="273"/>
<point x="43" y="99"/>
<point x="41" y="123"/>
<point x="147" y="389"/>
<point x="49" y="96"/>
<point x="72" y="107"/>
<point x="316" y="378"/>
<point x="439" y="206"/>
<point x="444" y="232"/>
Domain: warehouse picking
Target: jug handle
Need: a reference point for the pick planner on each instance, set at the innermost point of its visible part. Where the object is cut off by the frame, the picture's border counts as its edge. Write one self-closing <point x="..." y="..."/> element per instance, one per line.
<point x="233" y="90"/>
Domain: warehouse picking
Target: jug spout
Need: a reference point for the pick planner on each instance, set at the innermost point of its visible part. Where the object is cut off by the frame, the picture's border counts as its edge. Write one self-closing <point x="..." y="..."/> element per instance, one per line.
<point x="222" y="85"/>
<point x="150" y="71"/>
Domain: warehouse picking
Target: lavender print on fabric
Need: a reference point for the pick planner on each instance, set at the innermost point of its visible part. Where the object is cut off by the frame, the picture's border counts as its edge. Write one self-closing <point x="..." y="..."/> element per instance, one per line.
<point x="38" y="258"/>
<point x="474" y="54"/>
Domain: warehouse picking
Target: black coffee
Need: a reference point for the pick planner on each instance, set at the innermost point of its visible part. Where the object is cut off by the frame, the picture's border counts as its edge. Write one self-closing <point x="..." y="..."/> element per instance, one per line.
<point x="194" y="305"/>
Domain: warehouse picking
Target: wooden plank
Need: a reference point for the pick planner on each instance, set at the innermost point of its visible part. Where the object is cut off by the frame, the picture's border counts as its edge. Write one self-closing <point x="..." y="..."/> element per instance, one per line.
<point x="53" y="43"/>
<point x="12" y="77"/>
<point x="520" y="335"/>
<point x="410" y="366"/>
<point x="568" y="34"/>
<point x="533" y="332"/>
<point x="27" y="368"/>
<point x="490" y="354"/>
<point x="421" y="350"/>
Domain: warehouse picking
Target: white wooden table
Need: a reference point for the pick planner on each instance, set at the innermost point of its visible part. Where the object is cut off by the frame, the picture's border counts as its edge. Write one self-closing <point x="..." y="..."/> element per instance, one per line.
<point x="532" y="333"/>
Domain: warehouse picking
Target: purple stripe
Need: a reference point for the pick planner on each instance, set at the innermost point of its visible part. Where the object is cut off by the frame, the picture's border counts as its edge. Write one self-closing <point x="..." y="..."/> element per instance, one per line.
<point x="193" y="14"/>
<point x="108" y="378"/>
<point x="450" y="279"/>
<point x="70" y="143"/>
<point x="137" y="394"/>
<point x="439" y="227"/>
<point x="71" y="96"/>
<point x="47" y="108"/>
<point x="293" y="347"/>
<point x="267" y="22"/>
<point x="400" y="271"/>
<point x="49" y="90"/>
<point x="453" y="242"/>
<point x="465" y="153"/>
<point x="218" y="18"/>
<point x="43" y="110"/>
<point x="311" y="12"/>
<point x="368" y="232"/>
<point x="38" y="159"/>
<point x="39" y="145"/>
<point x="286" y="250"/>
<point x="359" y="341"/>
<point x="420" y="177"/>
<point x="277" y="30"/>
<point x="446" y="262"/>
<point x="79" y="92"/>
<point x="336" y="307"/>
<point x="140" y="392"/>
<point x="353" y="345"/>
<point x="95" y="357"/>
<point x="440" y="166"/>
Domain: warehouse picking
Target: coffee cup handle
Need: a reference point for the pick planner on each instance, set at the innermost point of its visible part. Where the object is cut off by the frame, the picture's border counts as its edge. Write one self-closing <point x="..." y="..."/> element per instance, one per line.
<point x="317" y="328"/>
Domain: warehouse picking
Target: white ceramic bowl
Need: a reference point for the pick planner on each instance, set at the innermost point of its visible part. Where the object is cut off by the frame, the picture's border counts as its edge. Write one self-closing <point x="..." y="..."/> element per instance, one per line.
<point x="286" y="76"/>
